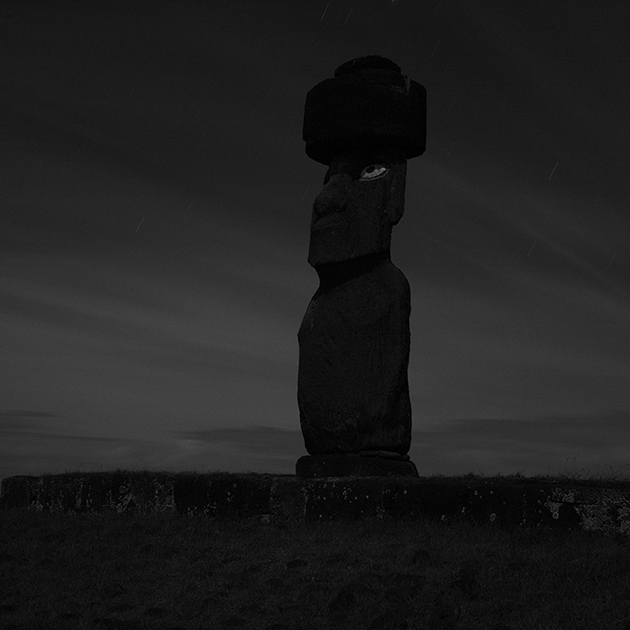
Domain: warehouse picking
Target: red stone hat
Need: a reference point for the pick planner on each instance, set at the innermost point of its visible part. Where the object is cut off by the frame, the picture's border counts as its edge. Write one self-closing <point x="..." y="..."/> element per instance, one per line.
<point x="369" y="103"/>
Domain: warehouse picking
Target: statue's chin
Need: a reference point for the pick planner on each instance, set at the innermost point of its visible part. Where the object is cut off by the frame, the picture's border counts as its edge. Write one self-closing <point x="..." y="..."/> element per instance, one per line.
<point x="328" y="246"/>
<point x="329" y="256"/>
<point x="329" y="221"/>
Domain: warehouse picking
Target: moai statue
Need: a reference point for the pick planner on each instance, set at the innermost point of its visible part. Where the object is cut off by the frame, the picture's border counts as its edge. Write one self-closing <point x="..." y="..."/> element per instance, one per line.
<point x="353" y="393"/>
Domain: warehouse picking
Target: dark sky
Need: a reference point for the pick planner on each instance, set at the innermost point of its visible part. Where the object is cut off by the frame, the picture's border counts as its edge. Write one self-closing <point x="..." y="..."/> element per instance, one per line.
<point x="155" y="214"/>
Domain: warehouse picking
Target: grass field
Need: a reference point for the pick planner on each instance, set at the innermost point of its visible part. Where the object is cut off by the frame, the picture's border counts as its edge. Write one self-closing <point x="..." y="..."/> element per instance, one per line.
<point x="170" y="571"/>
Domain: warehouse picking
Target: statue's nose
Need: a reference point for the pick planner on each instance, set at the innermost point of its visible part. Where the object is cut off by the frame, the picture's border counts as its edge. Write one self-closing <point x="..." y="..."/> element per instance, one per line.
<point x="334" y="196"/>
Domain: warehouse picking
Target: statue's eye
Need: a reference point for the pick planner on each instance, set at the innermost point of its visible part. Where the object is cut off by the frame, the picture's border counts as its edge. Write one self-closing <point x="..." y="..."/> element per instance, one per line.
<point x="373" y="172"/>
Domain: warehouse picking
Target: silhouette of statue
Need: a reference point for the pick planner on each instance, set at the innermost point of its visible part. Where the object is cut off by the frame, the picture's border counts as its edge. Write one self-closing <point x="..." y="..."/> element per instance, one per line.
<point x="353" y="393"/>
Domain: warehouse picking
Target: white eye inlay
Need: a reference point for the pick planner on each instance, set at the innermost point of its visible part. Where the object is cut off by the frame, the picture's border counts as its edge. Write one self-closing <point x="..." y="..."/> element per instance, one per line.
<point x="373" y="172"/>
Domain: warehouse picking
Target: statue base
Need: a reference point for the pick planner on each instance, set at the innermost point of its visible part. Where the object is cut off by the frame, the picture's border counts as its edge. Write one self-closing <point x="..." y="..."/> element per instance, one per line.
<point x="367" y="464"/>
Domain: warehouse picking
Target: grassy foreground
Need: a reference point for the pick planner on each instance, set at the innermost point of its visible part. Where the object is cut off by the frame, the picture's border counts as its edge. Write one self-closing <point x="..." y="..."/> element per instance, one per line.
<point x="169" y="571"/>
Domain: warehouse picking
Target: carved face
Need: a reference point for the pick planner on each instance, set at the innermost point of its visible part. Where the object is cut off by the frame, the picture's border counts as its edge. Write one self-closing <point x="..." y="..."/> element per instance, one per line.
<point x="362" y="198"/>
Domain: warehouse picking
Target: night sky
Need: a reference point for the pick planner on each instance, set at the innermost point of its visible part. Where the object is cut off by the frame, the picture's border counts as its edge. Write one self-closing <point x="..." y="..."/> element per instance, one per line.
<point x="155" y="213"/>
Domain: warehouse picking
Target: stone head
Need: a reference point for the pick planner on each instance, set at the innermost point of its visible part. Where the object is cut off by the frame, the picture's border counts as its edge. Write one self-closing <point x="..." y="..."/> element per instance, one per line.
<point x="362" y="198"/>
<point x="364" y="124"/>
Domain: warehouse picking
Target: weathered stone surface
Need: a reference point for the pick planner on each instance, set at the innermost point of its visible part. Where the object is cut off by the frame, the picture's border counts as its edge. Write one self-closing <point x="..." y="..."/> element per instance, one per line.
<point x="353" y="392"/>
<point x="601" y="506"/>
<point x="353" y="466"/>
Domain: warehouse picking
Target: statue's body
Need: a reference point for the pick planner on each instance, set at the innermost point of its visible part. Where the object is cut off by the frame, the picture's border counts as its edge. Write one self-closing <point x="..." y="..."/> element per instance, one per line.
<point x="353" y="393"/>
<point x="354" y="340"/>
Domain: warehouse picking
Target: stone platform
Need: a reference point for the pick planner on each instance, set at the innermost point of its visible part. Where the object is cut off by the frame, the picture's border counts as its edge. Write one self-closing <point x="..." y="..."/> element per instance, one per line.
<point x="350" y="465"/>
<point x="512" y="502"/>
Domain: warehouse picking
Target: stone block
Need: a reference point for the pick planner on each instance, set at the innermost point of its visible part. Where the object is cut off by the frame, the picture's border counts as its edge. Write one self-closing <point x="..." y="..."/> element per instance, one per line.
<point x="368" y="103"/>
<point x="349" y="465"/>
